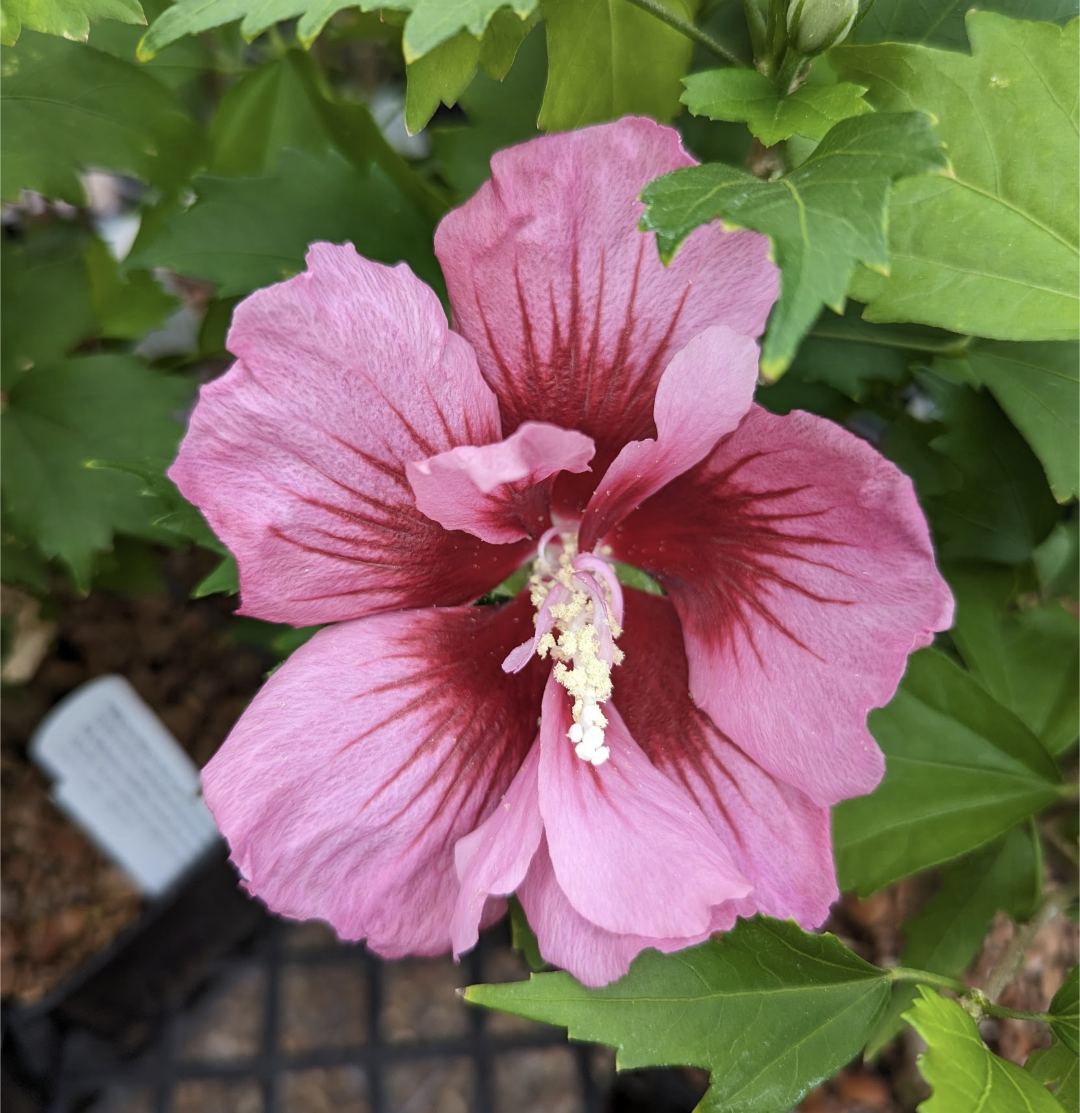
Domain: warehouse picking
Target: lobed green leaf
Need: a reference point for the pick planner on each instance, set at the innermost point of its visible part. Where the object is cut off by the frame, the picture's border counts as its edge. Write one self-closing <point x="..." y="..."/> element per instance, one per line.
<point x="965" y="1075"/>
<point x="822" y="217"/>
<point x="70" y="19"/>
<point x="749" y="97"/>
<point x="769" y="1010"/>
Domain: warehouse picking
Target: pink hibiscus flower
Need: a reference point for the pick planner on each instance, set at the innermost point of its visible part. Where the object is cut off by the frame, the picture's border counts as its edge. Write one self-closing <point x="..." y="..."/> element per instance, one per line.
<point x="640" y="769"/>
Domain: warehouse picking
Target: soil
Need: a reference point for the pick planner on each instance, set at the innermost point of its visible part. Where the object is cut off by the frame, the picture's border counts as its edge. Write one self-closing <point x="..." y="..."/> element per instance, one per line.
<point x="61" y="901"/>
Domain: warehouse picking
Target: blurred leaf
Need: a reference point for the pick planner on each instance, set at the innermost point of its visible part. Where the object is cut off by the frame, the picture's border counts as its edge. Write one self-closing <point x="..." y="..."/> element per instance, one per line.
<point x="126" y="307"/>
<point x="60" y="416"/>
<point x="1026" y="658"/>
<point x="434" y="21"/>
<point x="607" y="58"/>
<point x="176" y="67"/>
<point x="523" y="939"/>
<point x="822" y="217"/>
<point x="68" y="107"/>
<point x="1038" y="386"/>
<point x="189" y="17"/>
<point x="947" y="934"/>
<point x="1057" y="560"/>
<point x="269" y="109"/>
<point x="21" y="563"/>
<point x="1002" y="507"/>
<point x="44" y="297"/>
<point x="941" y="22"/>
<point x="768" y="1010"/>
<point x="1065" y="1010"/>
<point x="245" y="233"/>
<point x="224" y="580"/>
<point x="965" y="1075"/>
<point x="960" y="769"/>
<point x="499" y="114"/>
<point x="991" y="250"/>
<point x="70" y="19"/>
<point x="283" y="105"/>
<point x="130" y="567"/>
<point x="746" y="96"/>
<point x="1059" y="1068"/>
<point x="853" y="355"/>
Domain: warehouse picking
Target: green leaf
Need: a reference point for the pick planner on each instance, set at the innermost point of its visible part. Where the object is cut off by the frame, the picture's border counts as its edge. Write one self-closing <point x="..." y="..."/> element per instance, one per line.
<point x="70" y="19"/>
<point x="607" y="58"/>
<point x="245" y="233"/>
<point x="178" y="67"/>
<point x="224" y="580"/>
<point x="1059" y="1068"/>
<point x="941" y="22"/>
<point x="746" y="96"/>
<point x="965" y="1075"/>
<point x="991" y="250"/>
<point x="432" y="22"/>
<point x="947" y="934"/>
<point x="282" y="106"/>
<point x="960" y="769"/>
<point x="68" y="107"/>
<point x="189" y="17"/>
<point x="1057" y="561"/>
<point x="60" y="416"/>
<point x="1001" y="507"/>
<point x="126" y="307"/>
<point x="523" y="938"/>
<point x="21" y="563"/>
<point x="1038" y="386"/>
<point x="499" y="115"/>
<point x="768" y="1010"/>
<point x="440" y="77"/>
<point x="45" y="298"/>
<point x="823" y="217"/>
<point x="271" y="108"/>
<point x="1027" y="657"/>
<point x="1065" y="1011"/>
<point x="852" y="355"/>
<point x="178" y="517"/>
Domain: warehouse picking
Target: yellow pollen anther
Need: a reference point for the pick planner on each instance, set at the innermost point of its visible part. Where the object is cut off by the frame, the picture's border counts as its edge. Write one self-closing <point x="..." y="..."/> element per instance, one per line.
<point x="575" y="642"/>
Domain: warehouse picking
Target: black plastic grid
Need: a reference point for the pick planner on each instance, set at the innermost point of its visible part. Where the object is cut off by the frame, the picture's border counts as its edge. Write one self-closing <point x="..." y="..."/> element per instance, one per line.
<point x="85" y="1066"/>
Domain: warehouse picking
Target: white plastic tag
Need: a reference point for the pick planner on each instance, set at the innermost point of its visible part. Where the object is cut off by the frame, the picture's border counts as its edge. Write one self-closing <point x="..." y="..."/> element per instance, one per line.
<point x="125" y="781"/>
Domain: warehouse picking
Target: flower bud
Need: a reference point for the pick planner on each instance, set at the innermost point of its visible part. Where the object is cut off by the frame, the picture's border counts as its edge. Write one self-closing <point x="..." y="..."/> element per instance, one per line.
<point x="815" y="25"/>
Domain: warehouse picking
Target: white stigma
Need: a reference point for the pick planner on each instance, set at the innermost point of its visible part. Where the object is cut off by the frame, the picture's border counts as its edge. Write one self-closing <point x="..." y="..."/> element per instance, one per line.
<point x="579" y="604"/>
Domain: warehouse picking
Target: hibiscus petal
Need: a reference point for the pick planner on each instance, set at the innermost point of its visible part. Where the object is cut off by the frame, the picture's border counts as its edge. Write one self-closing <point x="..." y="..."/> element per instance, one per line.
<point x="703" y="395"/>
<point x="297" y="454"/>
<point x="778" y="837"/>
<point x="566" y="939"/>
<point x="493" y="859"/>
<point x="499" y="492"/>
<point x="365" y="758"/>
<point x="801" y="567"/>
<point x="572" y="314"/>
<point x="631" y="850"/>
